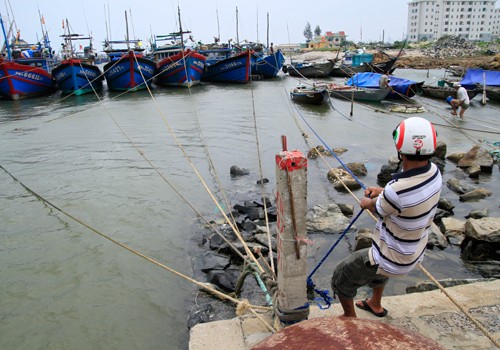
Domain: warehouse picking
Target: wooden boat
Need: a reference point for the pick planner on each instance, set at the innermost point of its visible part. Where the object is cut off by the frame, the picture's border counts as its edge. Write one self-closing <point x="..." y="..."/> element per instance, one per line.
<point x="347" y="92"/>
<point x="442" y="92"/>
<point x="403" y="88"/>
<point x="308" y="95"/>
<point x="223" y="67"/>
<point x="344" y="70"/>
<point x="128" y="69"/>
<point x="26" y="70"/>
<point x="310" y="69"/>
<point x="176" y="65"/>
<point x="493" y="93"/>
<point x="77" y="74"/>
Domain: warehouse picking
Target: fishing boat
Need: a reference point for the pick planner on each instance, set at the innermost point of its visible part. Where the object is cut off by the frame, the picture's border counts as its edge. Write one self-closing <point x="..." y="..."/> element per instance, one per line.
<point x="77" y="74"/>
<point x="493" y="93"/>
<point x="313" y="69"/>
<point x="26" y="70"/>
<point x="268" y="65"/>
<point x="309" y="95"/>
<point x="222" y="66"/>
<point x="128" y="69"/>
<point x="347" y="92"/>
<point x="387" y="66"/>
<point x="489" y="80"/>
<point x="176" y="64"/>
<point x="442" y="92"/>
<point x="403" y="88"/>
<point x="343" y="70"/>
<point x="351" y="63"/>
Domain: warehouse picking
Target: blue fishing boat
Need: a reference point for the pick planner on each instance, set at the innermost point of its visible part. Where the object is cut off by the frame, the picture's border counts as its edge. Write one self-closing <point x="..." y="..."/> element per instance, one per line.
<point x="26" y="70"/>
<point x="222" y="66"/>
<point x="268" y="66"/>
<point x="128" y="69"/>
<point x="176" y="65"/>
<point x="402" y="87"/>
<point x="473" y="77"/>
<point x="77" y="74"/>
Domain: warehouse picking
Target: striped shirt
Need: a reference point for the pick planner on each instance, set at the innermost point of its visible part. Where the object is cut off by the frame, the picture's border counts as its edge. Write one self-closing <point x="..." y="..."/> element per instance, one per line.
<point x="406" y="208"/>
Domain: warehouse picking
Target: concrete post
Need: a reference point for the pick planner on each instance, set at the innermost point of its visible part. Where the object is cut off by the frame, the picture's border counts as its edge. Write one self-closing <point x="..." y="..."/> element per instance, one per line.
<point x="291" y="204"/>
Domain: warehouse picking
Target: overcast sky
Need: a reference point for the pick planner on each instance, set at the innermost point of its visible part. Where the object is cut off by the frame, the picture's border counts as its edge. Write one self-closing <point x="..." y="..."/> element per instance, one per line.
<point x="287" y="19"/>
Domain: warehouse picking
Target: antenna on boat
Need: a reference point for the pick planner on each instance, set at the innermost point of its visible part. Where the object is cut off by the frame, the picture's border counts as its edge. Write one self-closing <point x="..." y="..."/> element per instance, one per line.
<point x="180" y="29"/>
<point x="218" y="28"/>
<point x="109" y="22"/>
<point x="7" y="46"/>
<point x="257" y="23"/>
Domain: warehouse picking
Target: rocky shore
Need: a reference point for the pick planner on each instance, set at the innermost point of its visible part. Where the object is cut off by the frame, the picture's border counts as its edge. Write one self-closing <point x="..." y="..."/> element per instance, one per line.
<point x="443" y="53"/>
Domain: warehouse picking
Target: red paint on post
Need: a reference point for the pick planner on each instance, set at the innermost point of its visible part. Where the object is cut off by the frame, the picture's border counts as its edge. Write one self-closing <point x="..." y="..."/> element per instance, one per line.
<point x="291" y="160"/>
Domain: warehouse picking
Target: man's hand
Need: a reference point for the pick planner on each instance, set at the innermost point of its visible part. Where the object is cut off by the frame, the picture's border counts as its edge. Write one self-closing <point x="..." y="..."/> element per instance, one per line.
<point x="372" y="192"/>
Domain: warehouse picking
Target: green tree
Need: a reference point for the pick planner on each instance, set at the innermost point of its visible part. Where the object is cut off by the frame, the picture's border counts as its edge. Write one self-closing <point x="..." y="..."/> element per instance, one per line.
<point x="308" y="32"/>
<point x="317" y="31"/>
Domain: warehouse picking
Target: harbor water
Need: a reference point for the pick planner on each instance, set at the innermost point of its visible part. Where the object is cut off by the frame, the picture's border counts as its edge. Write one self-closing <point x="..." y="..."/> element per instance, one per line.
<point x="98" y="159"/>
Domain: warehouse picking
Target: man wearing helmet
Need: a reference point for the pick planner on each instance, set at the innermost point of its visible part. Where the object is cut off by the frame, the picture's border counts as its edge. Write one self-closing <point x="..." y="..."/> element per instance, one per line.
<point x="405" y="208"/>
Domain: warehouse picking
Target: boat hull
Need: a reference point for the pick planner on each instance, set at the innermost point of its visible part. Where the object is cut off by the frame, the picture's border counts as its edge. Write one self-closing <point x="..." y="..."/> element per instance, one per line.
<point x="316" y="70"/>
<point x="269" y="66"/>
<point x="444" y="92"/>
<point x="18" y="81"/>
<point x="131" y="72"/>
<point x="403" y="88"/>
<point x="493" y="93"/>
<point x="314" y="97"/>
<point x="358" y="94"/>
<point x="183" y="69"/>
<point x="76" y="77"/>
<point x="235" y="69"/>
<point x="344" y="71"/>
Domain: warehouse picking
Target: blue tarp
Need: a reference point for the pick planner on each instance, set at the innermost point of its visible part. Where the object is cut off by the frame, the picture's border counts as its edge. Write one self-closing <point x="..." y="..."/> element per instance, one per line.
<point x="371" y="80"/>
<point x="477" y="76"/>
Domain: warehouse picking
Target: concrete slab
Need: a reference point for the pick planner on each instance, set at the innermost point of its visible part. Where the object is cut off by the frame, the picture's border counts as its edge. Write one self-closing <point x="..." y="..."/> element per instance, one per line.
<point x="431" y="314"/>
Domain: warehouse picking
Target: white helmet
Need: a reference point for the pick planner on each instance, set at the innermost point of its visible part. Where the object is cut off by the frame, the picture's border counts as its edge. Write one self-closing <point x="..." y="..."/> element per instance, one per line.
<point x="415" y="136"/>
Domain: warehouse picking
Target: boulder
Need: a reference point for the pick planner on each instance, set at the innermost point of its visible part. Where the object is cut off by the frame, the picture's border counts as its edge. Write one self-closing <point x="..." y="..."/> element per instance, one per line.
<point x="453" y="229"/>
<point x="436" y="238"/>
<point x="475" y="195"/>
<point x="484" y="229"/>
<point x="326" y="218"/>
<point x="341" y="177"/>
<point x="478" y="214"/>
<point x="441" y="149"/>
<point x="477" y="156"/>
<point x="357" y="168"/>
<point x="455" y="157"/>
<point x="363" y="239"/>
<point x="458" y="186"/>
<point x="237" y="171"/>
<point x="346" y="209"/>
<point x="445" y="204"/>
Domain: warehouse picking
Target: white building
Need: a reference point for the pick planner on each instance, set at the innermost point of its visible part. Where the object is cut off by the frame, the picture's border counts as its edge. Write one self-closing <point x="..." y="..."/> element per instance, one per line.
<point x="472" y="20"/>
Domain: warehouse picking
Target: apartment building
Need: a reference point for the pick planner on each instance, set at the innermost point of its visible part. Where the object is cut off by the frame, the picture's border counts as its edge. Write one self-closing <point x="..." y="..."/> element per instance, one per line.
<point x="472" y="20"/>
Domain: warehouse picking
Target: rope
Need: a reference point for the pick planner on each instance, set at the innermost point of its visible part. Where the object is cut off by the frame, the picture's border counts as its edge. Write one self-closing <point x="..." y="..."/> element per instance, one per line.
<point x="324" y="292"/>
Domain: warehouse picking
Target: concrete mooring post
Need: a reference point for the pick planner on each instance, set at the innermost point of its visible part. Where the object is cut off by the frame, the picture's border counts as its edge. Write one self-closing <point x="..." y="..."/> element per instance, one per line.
<point x="291" y="204"/>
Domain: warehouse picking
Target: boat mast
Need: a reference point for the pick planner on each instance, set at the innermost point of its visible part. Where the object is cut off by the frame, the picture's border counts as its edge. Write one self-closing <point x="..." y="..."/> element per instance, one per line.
<point x="126" y="25"/>
<point x="218" y="27"/>
<point x="237" y="35"/>
<point x="7" y="46"/>
<point x="180" y="29"/>
<point x="267" y="43"/>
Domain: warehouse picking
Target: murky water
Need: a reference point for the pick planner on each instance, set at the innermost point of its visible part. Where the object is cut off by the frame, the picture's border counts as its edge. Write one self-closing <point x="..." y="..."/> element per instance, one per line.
<point x="65" y="287"/>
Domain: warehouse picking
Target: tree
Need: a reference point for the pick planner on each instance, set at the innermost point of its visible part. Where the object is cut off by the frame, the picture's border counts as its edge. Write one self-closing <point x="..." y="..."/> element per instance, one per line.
<point x="317" y="31"/>
<point x="308" y="32"/>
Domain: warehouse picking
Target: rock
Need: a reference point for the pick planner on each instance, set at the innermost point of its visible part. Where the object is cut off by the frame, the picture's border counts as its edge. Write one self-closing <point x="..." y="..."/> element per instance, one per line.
<point x="326" y="218"/>
<point x="341" y="177"/>
<point x="441" y="149"/>
<point x="211" y="261"/>
<point x="473" y="171"/>
<point x="485" y="229"/>
<point x="458" y="186"/>
<point x="346" y="209"/>
<point x="225" y="280"/>
<point x="478" y="214"/>
<point x="455" y="157"/>
<point x="453" y="228"/>
<point x="358" y="169"/>
<point x="436" y="237"/>
<point x="440" y="213"/>
<point x="473" y="250"/>
<point x="426" y="286"/>
<point x="263" y="240"/>
<point x="237" y="171"/>
<point x="445" y="204"/>
<point x="474" y="195"/>
<point x="363" y="239"/>
<point x="263" y="181"/>
<point x="200" y="314"/>
<point x="477" y="156"/>
<point x="439" y="163"/>
<point x="385" y="174"/>
<point x="314" y="153"/>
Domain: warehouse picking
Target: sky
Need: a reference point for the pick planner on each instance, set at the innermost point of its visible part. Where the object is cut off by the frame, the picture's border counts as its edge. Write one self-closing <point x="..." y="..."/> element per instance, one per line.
<point x="365" y="20"/>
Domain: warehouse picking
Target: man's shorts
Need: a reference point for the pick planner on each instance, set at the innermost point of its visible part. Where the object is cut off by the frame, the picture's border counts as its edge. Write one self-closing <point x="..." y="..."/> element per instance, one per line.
<point x="356" y="271"/>
<point x="464" y="106"/>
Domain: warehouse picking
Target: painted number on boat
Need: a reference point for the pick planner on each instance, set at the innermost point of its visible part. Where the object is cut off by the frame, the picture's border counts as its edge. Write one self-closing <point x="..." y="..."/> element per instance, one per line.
<point x="29" y="75"/>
